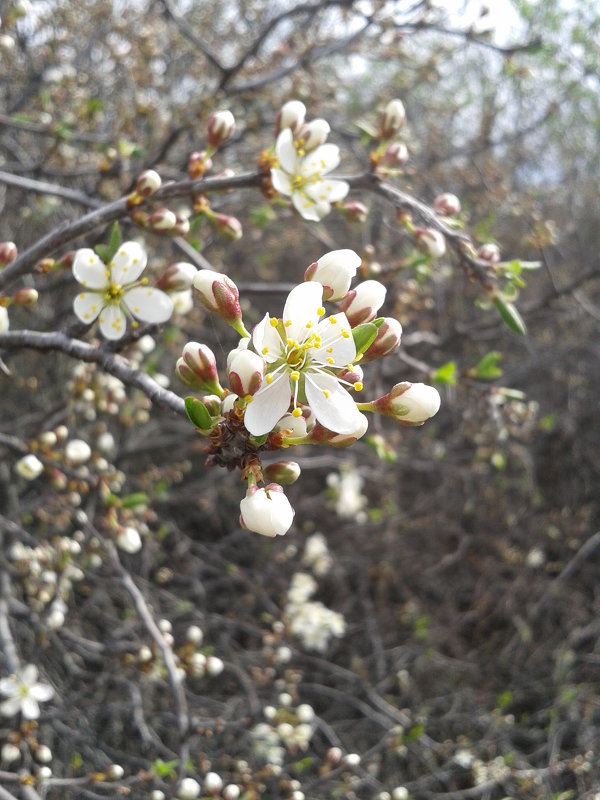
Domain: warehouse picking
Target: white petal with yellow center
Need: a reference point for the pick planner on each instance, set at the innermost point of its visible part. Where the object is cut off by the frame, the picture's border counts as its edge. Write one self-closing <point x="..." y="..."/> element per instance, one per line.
<point x="268" y="405"/>
<point x="148" y="304"/>
<point x="112" y="321"/>
<point x="301" y="310"/>
<point x="267" y="341"/>
<point x="333" y="407"/>
<point x="281" y="181"/>
<point x="322" y="160"/>
<point x="286" y="152"/>
<point x="90" y="270"/>
<point x="128" y="263"/>
<point x="330" y="191"/>
<point x="87" y="306"/>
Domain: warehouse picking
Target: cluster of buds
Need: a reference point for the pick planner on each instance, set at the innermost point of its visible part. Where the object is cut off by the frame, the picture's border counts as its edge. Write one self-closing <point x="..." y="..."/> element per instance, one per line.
<point x="294" y="380"/>
<point x="392" y="154"/>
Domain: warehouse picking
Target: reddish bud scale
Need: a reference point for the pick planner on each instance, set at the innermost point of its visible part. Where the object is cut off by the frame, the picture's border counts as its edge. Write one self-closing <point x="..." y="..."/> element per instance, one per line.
<point x="244" y="387"/>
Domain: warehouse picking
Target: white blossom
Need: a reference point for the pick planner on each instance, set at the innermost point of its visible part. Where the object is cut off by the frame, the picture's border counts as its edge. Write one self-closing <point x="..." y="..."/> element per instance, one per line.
<point x="301" y="176"/>
<point x="114" y="291"/>
<point x="266" y="511"/>
<point x="23" y="693"/>
<point x="303" y="355"/>
<point x="29" y="467"/>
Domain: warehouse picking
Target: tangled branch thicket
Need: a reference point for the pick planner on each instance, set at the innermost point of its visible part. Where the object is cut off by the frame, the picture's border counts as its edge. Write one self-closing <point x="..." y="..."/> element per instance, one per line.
<point x="428" y="626"/>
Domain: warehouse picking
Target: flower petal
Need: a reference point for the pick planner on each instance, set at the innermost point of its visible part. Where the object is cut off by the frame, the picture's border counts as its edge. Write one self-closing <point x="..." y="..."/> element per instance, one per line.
<point x="29" y="674"/>
<point x="333" y="342"/>
<point x="322" y="160"/>
<point x="112" y="321"/>
<point x="87" y="306"/>
<point x="89" y="270"/>
<point x="148" y="304"/>
<point x="10" y="707"/>
<point x="328" y="190"/>
<point x="286" y="152"/>
<point x="29" y="708"/>
<point x="333" y="406"/>
<point x="128" y="263"/>
<point x="42" y="692"/>
<point x="268" y="405"/>
<point x="301" y="310"/>
<point x="281" y="182"/>
<point x="308" y="209"/>
<point x="267" y="341"/>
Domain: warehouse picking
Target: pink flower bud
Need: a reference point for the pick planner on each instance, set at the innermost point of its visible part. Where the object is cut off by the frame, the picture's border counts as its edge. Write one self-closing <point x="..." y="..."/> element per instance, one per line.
<point x="430" y="242"/>
<point x="283" y="472"/>
<point x="291" y="115"/>
<point x="392" y="119"/>
<point x="334" y="271"/>
<point x="8" y="253"/>
<point x="25" y="297"/>
<point x="362" y="304"/>
<point x="148" y="183"/>
<point x="246" y="373"/>
<point x="218" y="293"/>
<point x="199" y="164"/>
<point x="162" y="220"/>
<point x="219" y="127"/>
<point x="228" y="226"/>
<point x="321" y="435"/>
<point x="314" y="134"/>
<point x="177" y="277"/>
<point x="266" y="511"/>
<point x="197" y="367"/>
<point x="395" y="155"/>
<point x="387" y="340"/>
<point x="354" y="211"/>
<point x="409" y="403"/>
<point x="489" y="252"/>
<point x="448" y="205"/>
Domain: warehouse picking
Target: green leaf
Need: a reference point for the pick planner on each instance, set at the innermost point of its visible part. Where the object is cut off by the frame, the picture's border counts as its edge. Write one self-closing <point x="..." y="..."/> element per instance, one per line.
<point x="364" y="335"/>
<point x="446" y="374"/>
<point x="510" y="315"/>
<point x="198" y="413"/>
<point x="487" y="368"/>
<point x="135" y="499"/>
<point x="165" y="769"/>
<point x="107" y="251"/>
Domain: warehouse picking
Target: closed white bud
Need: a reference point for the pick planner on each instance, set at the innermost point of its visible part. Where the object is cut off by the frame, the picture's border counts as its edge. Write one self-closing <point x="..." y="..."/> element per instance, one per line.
<point x="231" y="792"/>
<point x="392" y="119"/>
<point x="266" y="511"/>
<point x="115" y="772"/>
<point x="246" y="372"/>
<point x="43" y="754"/>
<point x="220" y="127"/>
<point x="213" y="783"/>
<point x="129" y="540"/>
<point x="148" y="183"/>
<point x="214" y="666"/>
<point x="77" y="452"/>
<point x="177" y="277"/>
<point x="189" y="789"/>
<point x="4" y="321"/>
<point x="291" y="115"/>
<point x="194" y="635"/>
<point x="447" y="204"/>
<point x="362" y="304"/>
<point x="314" y="134"/>
<point x="10" y="753"/>
<point x="430" y="242"/>
<point x="334" y="271"/>
<point x="29" y="467"/>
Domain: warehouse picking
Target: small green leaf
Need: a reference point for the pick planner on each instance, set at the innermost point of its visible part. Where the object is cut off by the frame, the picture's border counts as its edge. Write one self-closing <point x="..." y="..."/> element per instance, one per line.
<point x="198" y="413"/>
<point x="135" y="499"/>
<point x="487" y="368"/>
<point x="107" y="251"/>
<point x="165" y="769"/>
<point x="261" y="439"/>
<point x="364" y="335"/>
<point x="446" y="374"/>
<point x="510" y="315"/>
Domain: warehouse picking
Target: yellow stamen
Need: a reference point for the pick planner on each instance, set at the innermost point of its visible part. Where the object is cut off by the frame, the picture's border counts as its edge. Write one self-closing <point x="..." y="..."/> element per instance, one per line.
<point x="273" y="322"/>
<point x="264" y="351"/>
<point x="295" y="375"/>
<point x="330" y="360"/>
<point x="358" y="386"/>
<point x="296" y="413"/>
<point x="248" y="398"/>
<point x="327" y="393"/>
<point x="288" y="323"/>
<point x="320" y="311"/>
<point x="333" y="320"/>
<point x="269" y="379"/>
<point x="346" y="334"/>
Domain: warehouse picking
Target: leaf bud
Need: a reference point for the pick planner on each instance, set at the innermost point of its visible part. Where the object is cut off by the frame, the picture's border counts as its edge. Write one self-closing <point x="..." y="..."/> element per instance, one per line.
<point x="219" y="128"/>
<point x="392" y="119"/>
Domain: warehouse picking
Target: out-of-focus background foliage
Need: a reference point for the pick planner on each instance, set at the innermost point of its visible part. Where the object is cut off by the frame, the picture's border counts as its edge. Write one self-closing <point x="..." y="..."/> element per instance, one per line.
<point x="467" y="573"/>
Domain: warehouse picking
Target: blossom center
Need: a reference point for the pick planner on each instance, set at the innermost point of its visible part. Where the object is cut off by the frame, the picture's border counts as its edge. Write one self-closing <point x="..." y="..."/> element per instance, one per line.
<point x="114" y="293"/>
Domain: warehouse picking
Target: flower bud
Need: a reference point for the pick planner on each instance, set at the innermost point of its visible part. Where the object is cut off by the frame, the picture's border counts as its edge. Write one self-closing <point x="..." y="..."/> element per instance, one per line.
<point x="229" y="226"/>
<point x="129" y="540"/>
<point x="282" y="472"/>
<point x="314" y="134"/>
<point x="228" y="403"/>
<point x="392" y="119"/>
<point x="231" y="792"/>
<point x="219" y="127"/>
<point x="29" y="467"/>
<point x="43" y="754"/>
<point x="219" y="293"/>
<point x="197" y="367"/>
<point x="10" y="753"/>
<point x="182" y="226"/>
<point x="213" y="783"/>
<point x="266" y="511"/>
<point x="430" y="242"/>
<point x="291" y="115"/>
<point x="354" y="211"/>
<point x="395" y="155"/>
<point x="4" y="320"/>
<point x="242" y="345"/>
<point x="162" y="220"/>
<point x="489" y="252"/>
<point x="212" y="403"/>
<point x="199" y="164"/>
<point x="8" y="253"/>
<point x="77" y="452"/>
<point x="447" y="204"/>
<point x="363" y="303"/>
<point x="387" y="341"/>
<point x="410" y="403"/>
<point x="321" y="435"/>
<point x="246" y="373"/>
<point x="148" y="183"/>
<point x="25" y="297"/>
<point x="194" y="635"/>
<point x="177" y="277"/>
<point x="189" y="789"/>
<point x="334" y="271"/>
<point x="214" y="666"/>
<point x="295" y="425"/>
<point x="115" y="772"/>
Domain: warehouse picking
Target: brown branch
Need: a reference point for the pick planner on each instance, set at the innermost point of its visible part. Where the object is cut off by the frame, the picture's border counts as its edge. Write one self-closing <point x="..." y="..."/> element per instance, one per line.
<point x="110" y="362"/>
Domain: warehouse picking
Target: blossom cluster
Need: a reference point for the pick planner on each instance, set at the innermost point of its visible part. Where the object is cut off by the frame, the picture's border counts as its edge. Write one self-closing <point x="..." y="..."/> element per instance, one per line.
<point x="294" y="379"/>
